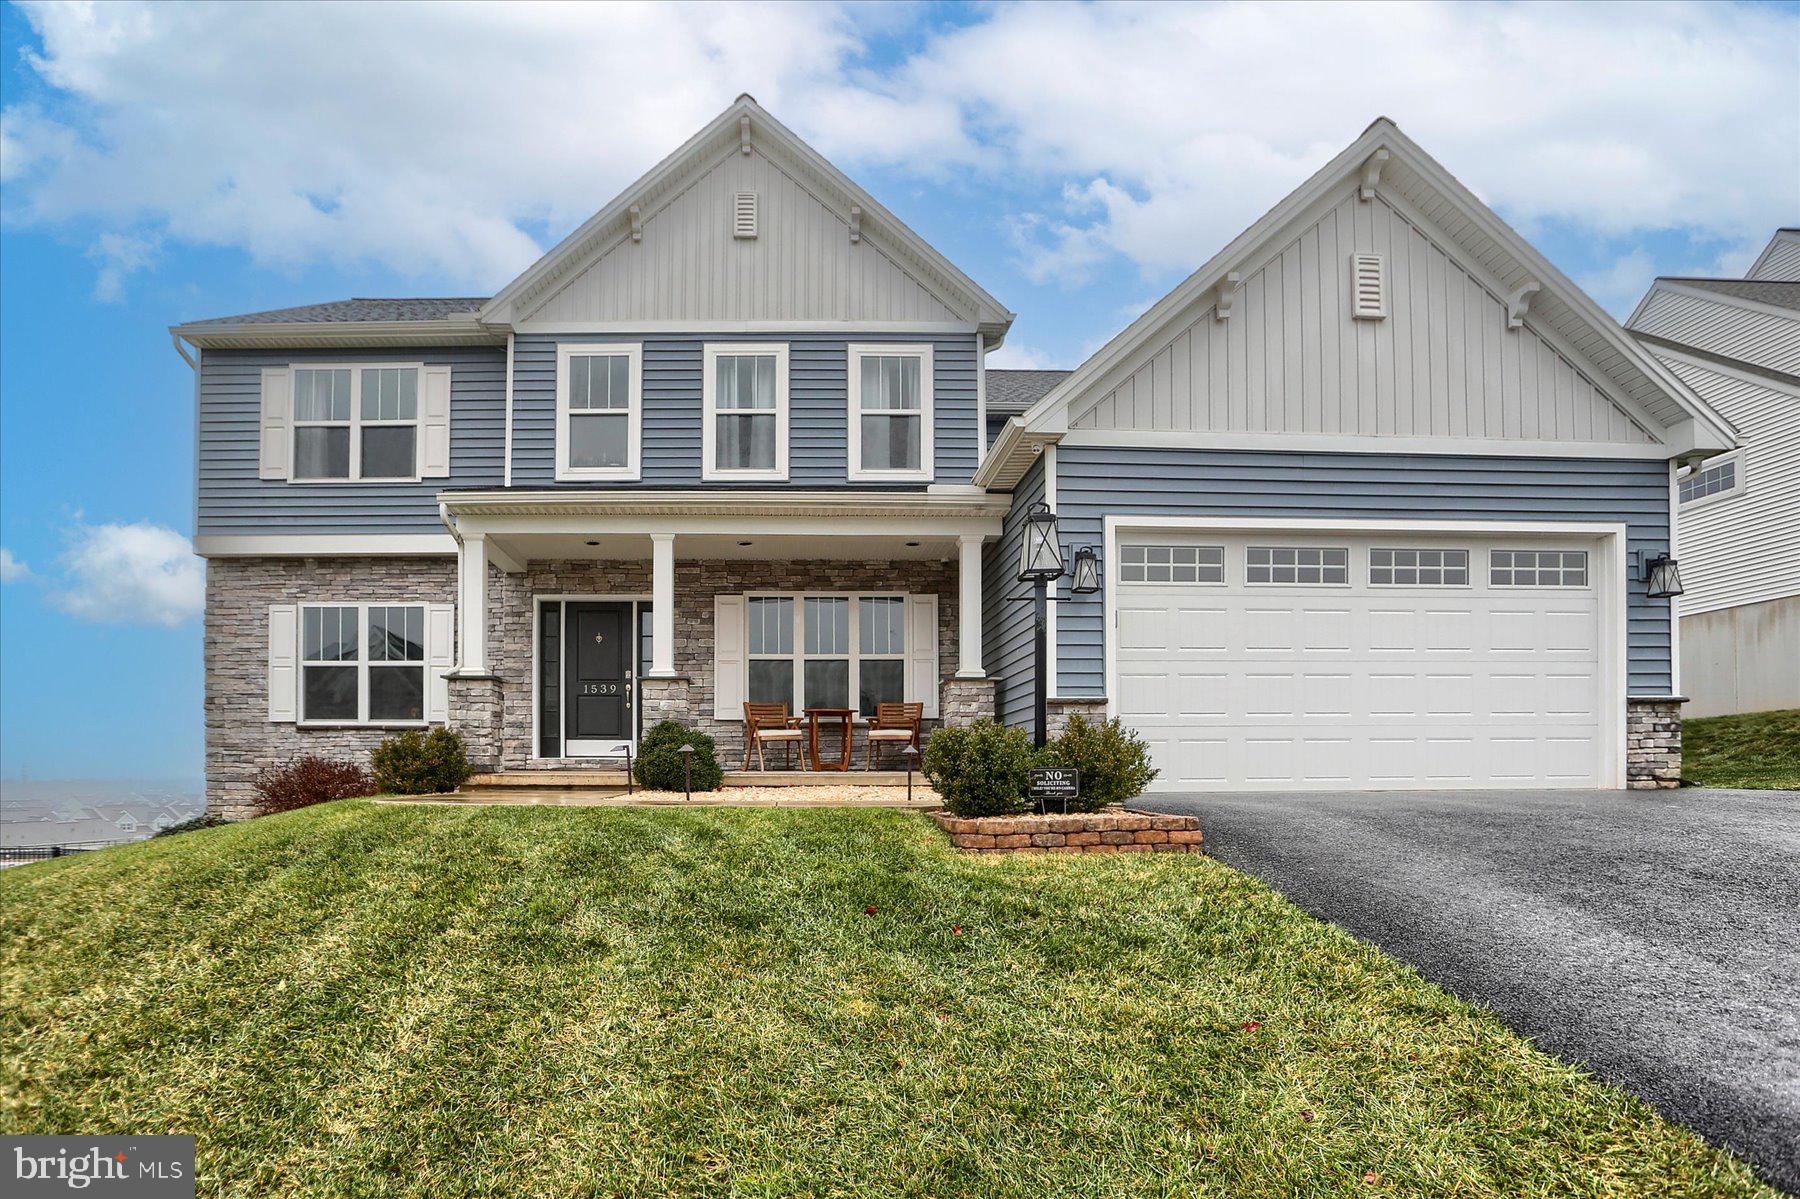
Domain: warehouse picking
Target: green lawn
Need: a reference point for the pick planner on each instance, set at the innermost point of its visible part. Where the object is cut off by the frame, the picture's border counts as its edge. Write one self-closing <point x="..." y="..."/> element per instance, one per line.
<point x="369" y="1000"/>
<point x="1760" y="751"/>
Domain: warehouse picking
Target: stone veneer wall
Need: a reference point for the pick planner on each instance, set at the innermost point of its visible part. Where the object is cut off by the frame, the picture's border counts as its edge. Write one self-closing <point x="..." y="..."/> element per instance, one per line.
<point x="1058" y="709"/>
<point x="1652" y="743"/>
<point x="240" y="737"/>
<point x="696" y="583"/>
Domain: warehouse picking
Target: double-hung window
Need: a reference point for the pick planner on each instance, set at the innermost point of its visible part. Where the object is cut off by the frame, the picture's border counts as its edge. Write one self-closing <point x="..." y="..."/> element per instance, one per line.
<point x="890" y="412"/>
<point x="362" y="663"/>
<point x="825" y="651"/>
<point x="356" y="422"/>
<point x="599" y="411"/>
<point x="745" y="436"/>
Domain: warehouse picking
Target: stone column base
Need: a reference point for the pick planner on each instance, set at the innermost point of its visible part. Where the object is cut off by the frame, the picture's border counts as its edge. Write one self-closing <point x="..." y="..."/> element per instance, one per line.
<point x="964" y="701"/>
<point x="1058" y="709"/>
<point x="476" y="713"/>
<point x="666" y="699"/>
<point x="1653" y="742"/>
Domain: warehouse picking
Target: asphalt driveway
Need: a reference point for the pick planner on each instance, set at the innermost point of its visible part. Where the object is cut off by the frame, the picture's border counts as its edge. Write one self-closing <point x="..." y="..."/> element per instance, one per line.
<point x="1652" y="936"/>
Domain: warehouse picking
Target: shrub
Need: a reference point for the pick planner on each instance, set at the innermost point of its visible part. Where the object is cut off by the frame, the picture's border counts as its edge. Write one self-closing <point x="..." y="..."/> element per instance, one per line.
<point x="1113" y="760"/>
<point x="308" y="780"/>
<point x="192" y="824"/>
<point x="982" y="769"/>
<point x="419" y="763"/>
<point x="658" y="766"/>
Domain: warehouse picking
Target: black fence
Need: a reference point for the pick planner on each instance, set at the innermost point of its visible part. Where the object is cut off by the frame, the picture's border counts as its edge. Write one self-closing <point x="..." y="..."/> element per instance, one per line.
<point x="35" y="853"/>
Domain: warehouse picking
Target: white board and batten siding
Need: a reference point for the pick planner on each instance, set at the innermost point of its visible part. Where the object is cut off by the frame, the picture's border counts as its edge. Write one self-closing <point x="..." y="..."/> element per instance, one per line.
<point x="692" y="264"/>
<point x="1744" y="548"/>
<point x="1292" y="357"/>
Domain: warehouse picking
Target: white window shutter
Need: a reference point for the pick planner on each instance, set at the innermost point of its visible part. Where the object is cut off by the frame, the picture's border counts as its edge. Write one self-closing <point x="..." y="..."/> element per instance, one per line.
<point x="284" y="662"/>
<point x="922" y="652"/>
<point x="277" y="421"/>
<point x="434" y="423"/>
<point x="440" y="655"/>
<point x="728" y="657"/>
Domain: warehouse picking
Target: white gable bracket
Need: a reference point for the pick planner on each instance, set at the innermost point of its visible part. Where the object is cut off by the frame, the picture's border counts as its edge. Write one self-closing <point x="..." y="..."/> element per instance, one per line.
<point x="744" y="133"/>
<point x="1228" y="289"/>
<point x="1519" y="303"/>
<point x="1371" y="174"/>
<point x="855" y="223"/>
<point x="637" y="223"/>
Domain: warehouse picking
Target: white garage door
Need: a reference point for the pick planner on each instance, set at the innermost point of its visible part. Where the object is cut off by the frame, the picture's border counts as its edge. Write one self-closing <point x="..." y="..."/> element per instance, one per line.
<point x="1254" y="662"/>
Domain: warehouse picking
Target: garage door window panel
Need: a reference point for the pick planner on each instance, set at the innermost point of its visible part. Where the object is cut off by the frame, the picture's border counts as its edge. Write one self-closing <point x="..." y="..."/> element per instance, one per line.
<point x="1302" y="565"/>
<point x="1198" y="564"/>
<point x="1418" y="568"/>
<point x="1537" y="568"/>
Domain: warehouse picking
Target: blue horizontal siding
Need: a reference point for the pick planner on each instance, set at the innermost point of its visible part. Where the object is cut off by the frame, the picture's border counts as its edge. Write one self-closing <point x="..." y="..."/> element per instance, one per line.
<point x="1093" y="482"/>
<point x="1006" y="622"/>
<point x="233" y="500"/>
<point x="818" y="400"/>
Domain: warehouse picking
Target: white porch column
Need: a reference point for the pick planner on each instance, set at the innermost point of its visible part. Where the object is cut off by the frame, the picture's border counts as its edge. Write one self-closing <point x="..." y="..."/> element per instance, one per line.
<point x="471" y="568"/>
<point x="968" y="608"/>
<point x="662" y="609"/>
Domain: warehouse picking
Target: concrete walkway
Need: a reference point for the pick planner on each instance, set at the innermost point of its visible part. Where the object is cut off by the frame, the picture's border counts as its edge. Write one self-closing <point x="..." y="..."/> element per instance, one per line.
<point x="1652" y="936"/>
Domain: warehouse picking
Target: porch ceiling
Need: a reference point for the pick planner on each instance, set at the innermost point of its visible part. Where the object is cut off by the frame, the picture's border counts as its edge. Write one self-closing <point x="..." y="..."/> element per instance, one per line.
<point x="617" y="547"/>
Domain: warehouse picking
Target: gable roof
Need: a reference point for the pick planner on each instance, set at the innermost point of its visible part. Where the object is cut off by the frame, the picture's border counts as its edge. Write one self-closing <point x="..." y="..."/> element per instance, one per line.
<point x="1780" y="259"/>
<point x="1385" y="158"/>
<point x="363" y="320"/>
<point x="748" y="125"/>
<point x="1778" y="293"/>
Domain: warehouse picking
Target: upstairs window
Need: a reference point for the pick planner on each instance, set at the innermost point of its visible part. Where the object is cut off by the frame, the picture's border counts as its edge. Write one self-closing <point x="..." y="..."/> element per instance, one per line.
<point x="746" y="413"/>
<point x="1716" y="479"/>
<point x="356" y="422"/>
<point x="890" y="412"/>
<point x="599" y="411"/>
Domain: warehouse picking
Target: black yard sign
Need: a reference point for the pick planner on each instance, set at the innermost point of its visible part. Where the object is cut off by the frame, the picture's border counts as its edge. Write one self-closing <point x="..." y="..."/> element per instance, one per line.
<point x="1054" y="785"/>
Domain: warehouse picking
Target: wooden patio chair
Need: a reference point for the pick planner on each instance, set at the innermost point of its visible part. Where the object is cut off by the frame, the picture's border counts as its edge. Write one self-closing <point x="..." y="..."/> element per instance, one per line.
<point x="894" y="724"/>
<point x="770" y="724"/>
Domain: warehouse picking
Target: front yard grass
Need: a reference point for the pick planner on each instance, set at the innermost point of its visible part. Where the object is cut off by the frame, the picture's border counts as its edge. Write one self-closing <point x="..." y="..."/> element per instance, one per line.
<point x="1758" y="751"/>
<point x="373" y="1000"/>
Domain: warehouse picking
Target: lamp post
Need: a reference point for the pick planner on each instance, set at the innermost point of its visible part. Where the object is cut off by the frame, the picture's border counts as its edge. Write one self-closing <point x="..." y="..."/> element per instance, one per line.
<point x="1040" y="563"/>
<point x="687" y="773"/>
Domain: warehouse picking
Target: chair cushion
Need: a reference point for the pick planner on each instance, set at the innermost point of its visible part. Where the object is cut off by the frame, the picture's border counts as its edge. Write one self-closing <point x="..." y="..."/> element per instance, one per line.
<point x="779" y="734"/>
<point x="890" y="734"/>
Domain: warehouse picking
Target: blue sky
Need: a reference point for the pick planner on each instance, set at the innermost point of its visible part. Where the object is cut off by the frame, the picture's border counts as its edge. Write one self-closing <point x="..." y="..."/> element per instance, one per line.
<point x="169" y="162"/>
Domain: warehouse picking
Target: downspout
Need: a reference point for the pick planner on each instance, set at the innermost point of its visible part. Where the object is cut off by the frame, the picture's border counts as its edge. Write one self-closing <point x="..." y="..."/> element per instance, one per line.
<point x="506" y="467"/>
<point x="193" y="362"/>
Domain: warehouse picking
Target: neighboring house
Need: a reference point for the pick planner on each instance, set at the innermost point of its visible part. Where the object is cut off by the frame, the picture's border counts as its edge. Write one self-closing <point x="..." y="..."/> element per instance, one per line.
<point x="1370" y="490"/>
<point x="1736" y="342"/>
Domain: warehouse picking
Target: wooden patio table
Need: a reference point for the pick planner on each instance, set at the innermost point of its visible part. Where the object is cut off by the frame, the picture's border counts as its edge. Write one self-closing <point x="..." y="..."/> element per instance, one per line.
<point x="844" y="719"/>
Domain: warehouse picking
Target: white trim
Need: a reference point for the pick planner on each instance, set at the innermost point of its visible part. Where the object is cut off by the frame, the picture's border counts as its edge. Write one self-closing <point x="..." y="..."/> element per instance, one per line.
<point x="981" y="435"/>
<point x="739" y="328"/>
<point x="324" y="545"/>
<point x="1674" y="601"/>
<point x="537" y="689"/>
<point x="853" y="413"/>
<point x="968" y="607"/>
<point x="1606" y="574"/>
<point x="356" y="423"/>
<point x="709" y="471"/>
<point x="362" y="664"/>
<point x="342" y="335"/>
<point x="1776" y="381"/>
<point x="1740" y="481"/>
<point x="506" y="464"/>
<point x="471" y="605"/>
<point x="633" y="353"/>
<point x="1052" y="661"/>
<point x="662" y="620"/>
<point x="1343" y="443"/>
<point x="1726" y="299"/>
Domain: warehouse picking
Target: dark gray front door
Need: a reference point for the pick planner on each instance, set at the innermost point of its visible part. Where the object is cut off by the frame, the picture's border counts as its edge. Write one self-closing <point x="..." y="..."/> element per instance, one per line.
<point x="597" y="677"/>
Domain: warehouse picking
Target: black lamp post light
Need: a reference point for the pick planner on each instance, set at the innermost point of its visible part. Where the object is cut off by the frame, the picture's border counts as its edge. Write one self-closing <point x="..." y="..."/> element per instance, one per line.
<point x="1041" y="564"/>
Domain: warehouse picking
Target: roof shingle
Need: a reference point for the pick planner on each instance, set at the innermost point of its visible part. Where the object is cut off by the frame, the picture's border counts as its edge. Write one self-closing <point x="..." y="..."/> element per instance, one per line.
<point x="1013" y="392"/>
<point x="359" y="309"/>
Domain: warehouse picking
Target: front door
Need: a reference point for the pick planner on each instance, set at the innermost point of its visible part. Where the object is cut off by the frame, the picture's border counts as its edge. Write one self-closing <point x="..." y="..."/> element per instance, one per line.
<point x="597" y="679"/>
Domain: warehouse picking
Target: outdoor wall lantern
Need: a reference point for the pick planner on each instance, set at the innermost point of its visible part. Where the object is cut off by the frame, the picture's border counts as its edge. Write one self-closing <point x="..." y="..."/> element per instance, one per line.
<point x="1040" y="559"/>
<point x="1662" y="577"/>
<point x="1087" y="572"/>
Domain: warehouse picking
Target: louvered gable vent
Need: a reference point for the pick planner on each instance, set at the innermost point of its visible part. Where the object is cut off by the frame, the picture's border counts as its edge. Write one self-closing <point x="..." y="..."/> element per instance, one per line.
<point x="743" y="215"/>
<point x="1368" y="288"/>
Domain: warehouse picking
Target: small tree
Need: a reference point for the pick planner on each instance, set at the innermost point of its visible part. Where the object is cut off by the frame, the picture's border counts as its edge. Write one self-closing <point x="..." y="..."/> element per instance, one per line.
<point x="307" y="780"/>
<point x="1113" y="760"/>
<point x="418" y="763"/>
<point x="659" y="761"/>
<point x="982" y="769"/>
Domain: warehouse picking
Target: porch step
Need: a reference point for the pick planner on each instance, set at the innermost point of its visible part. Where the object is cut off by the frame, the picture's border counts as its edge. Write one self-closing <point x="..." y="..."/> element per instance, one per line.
<point x="507" y="781"/>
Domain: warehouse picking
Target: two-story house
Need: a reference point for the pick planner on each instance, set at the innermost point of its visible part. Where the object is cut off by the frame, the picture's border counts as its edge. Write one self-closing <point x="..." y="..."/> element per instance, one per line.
<point x="1373" y="493"/>
<point x="1736" y="342"/>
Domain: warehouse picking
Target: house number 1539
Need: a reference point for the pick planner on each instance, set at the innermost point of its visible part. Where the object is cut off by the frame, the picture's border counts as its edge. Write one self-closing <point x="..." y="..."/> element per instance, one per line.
<point x="600" y="688"/>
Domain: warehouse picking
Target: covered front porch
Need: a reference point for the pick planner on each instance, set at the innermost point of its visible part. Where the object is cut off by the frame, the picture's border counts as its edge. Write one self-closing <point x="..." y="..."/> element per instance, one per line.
<point x="585" y="618"/>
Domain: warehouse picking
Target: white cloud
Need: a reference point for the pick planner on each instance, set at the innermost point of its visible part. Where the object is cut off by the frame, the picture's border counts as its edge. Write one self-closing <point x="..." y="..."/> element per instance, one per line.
<point x="119" y="256"/>
<point x="1012" y="356"/>
<point x="434" y="140"/>
<point x="12" y="570"/>
<point x="130" y="574"/>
